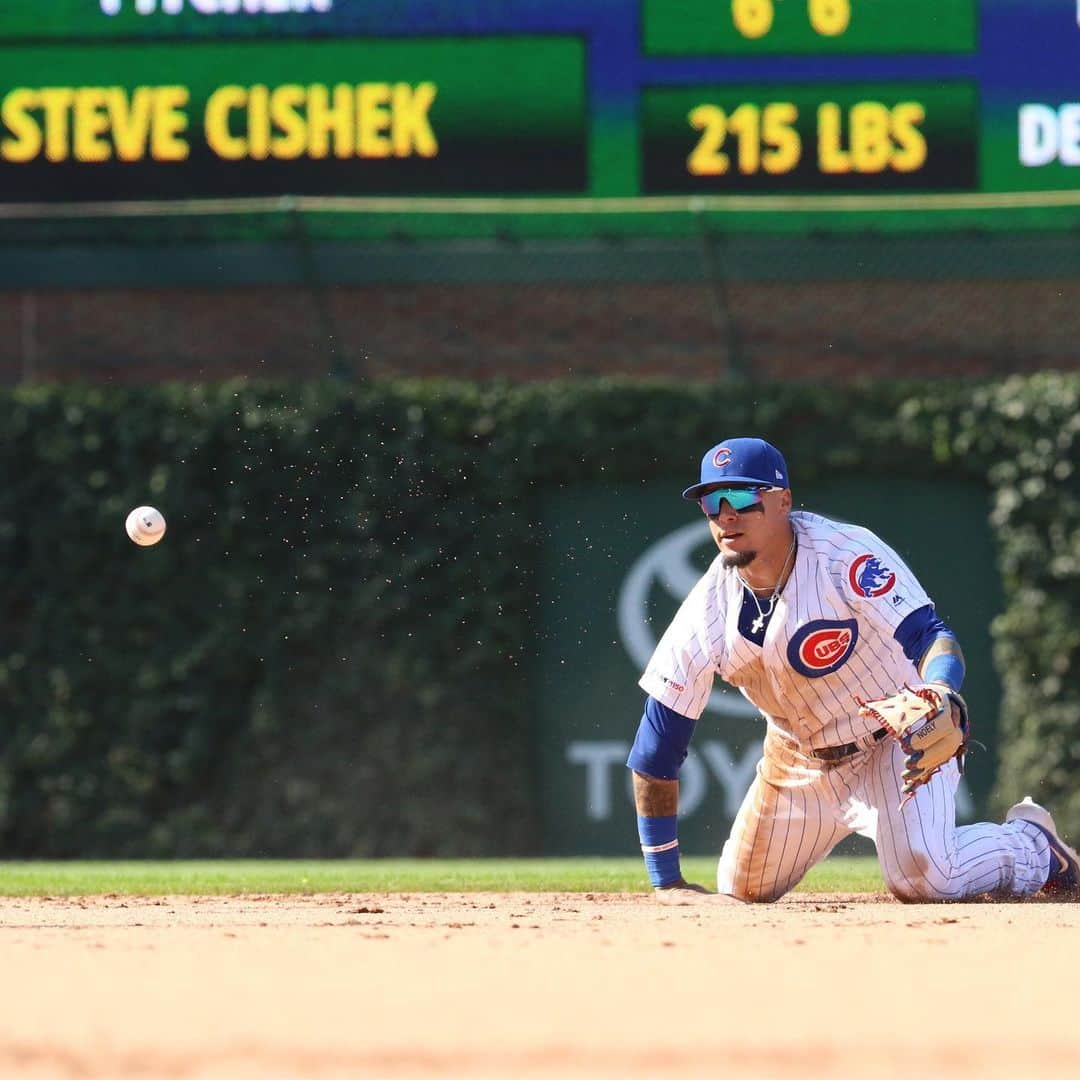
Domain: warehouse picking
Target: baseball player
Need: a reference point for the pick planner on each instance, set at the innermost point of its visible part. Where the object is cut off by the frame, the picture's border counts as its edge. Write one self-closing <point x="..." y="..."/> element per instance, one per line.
<point x="822" y="626"/>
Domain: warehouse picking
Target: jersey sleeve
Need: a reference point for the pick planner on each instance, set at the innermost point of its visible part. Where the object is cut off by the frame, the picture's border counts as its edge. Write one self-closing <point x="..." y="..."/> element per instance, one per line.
<point x="680" y="673"/>
<point x="879" y="584"/>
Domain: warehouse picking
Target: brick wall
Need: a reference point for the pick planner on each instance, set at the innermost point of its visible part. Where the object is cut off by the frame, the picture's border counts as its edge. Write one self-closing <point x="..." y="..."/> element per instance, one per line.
<point x="794" y="330"/>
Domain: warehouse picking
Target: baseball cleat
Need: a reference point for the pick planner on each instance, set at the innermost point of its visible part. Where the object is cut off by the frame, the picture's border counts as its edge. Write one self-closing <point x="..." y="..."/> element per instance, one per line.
<point x="1064" y="862"/>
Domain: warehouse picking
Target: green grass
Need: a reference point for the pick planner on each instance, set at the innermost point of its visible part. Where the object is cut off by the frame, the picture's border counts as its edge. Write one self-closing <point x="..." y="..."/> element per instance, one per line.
<point x="216" y="878"/>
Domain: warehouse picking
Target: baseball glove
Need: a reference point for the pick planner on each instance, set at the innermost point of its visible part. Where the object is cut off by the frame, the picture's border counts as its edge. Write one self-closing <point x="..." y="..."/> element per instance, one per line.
<point x="930" y="722"/>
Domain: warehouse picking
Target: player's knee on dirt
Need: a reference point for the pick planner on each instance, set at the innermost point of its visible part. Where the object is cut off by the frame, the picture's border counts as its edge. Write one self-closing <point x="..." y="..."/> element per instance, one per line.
<point x="749" y="893"/>
<point x="758" y="896"/>
<point x="917" y="878"/>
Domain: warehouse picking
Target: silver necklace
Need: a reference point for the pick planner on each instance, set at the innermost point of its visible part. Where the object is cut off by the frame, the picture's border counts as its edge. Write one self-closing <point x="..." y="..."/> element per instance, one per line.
<point x="762" y="614"/>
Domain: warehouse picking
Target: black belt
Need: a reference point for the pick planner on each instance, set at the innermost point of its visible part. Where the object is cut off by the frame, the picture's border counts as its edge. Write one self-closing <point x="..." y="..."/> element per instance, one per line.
<point x="838" y="753"/>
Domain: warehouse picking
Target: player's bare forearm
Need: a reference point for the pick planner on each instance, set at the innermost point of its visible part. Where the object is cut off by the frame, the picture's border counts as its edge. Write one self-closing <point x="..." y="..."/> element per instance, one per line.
<point x="660" y="799"/>
<point x="942" y="646"/>
<point x="943" y="663"/>
<point x="655" y="798"/>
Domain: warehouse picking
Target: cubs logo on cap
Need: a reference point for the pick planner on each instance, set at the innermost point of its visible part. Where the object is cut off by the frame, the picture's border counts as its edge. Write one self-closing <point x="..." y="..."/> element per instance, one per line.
<point x="740" y="461"/>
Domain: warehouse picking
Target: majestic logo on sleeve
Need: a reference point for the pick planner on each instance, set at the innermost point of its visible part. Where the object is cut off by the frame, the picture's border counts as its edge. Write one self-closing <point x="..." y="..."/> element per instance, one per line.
<point x="868" y="577"/>
<point x="822" y="646"/>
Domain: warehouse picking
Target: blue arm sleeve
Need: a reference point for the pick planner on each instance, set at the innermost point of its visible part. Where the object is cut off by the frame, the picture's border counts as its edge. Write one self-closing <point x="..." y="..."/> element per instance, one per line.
<point x="662" y="741"/>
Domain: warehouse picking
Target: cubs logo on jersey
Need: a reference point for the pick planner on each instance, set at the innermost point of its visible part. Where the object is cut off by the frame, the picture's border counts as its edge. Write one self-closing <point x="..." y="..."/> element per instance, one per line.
<point x="822" y="646"/>
<point x="868" y="577"/>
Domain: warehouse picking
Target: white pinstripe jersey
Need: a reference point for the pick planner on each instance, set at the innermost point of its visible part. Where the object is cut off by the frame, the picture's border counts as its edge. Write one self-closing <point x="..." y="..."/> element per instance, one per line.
<point x="829" y="638"/>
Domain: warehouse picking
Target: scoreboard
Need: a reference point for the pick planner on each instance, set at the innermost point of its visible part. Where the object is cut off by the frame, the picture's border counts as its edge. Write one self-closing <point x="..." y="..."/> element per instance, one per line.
<point x="152" y="99"/>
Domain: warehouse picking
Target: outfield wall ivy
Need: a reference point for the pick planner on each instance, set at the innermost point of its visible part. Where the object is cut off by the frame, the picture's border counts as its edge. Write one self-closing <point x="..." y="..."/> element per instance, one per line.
<point x="329" y="654"/>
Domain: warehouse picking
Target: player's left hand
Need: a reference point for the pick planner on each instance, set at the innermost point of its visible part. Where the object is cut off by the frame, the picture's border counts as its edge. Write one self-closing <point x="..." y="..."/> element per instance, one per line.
<point x="930" y="721"/>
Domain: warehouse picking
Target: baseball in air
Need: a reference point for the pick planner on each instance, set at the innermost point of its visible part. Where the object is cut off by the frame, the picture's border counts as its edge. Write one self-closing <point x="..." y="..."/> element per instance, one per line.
<point x="145" y="525"/>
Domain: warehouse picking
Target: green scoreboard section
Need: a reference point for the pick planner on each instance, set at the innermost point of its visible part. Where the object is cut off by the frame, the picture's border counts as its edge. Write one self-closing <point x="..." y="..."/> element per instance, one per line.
<point x="325" y="116"/>
<point x="141" y="99"/>
<point x="669" y="27"/>
<point x="812" y="28"/>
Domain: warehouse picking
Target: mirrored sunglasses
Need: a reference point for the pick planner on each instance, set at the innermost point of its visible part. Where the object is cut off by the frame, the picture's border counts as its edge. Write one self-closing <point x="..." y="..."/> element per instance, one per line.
<point x="739" y="499"/>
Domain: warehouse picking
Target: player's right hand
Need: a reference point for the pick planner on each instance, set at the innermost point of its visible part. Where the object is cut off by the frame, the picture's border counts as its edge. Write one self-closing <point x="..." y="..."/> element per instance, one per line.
<point x="681" y="893"/>
<point x="687" y="886"/>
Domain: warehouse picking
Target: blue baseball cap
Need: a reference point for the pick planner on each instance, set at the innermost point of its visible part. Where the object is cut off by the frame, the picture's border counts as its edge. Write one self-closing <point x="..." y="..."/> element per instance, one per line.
<point x="740" y="461"/>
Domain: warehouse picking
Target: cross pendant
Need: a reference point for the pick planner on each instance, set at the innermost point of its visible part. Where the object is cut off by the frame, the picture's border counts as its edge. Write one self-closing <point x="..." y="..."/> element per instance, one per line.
<point x="757" y="624"/>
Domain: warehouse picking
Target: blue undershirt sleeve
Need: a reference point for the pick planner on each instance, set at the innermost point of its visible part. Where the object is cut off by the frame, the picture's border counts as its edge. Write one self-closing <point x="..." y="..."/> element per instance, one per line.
<point x="917" y="632"/>
<point x="663" y="739"/>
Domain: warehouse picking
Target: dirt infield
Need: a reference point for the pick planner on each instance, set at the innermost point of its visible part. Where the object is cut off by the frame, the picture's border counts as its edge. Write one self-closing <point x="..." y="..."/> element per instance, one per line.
<point x="534" y="986"/>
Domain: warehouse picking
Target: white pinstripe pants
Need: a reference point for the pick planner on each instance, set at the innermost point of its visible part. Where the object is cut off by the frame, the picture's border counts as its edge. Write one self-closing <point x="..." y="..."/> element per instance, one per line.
<point x="798" y="809"/>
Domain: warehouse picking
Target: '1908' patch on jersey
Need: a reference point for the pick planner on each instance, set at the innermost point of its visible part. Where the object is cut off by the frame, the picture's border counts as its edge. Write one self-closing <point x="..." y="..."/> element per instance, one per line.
<point x="822" y="646"/>
<point x="867" y="576"/>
